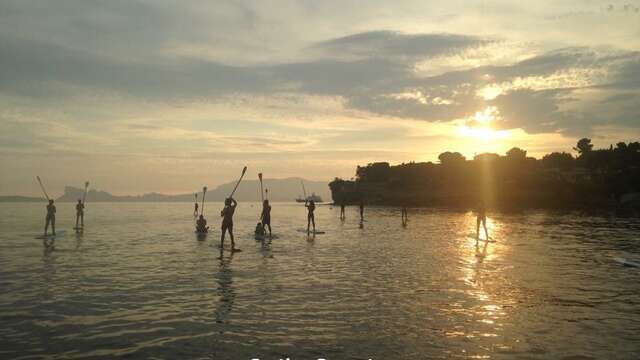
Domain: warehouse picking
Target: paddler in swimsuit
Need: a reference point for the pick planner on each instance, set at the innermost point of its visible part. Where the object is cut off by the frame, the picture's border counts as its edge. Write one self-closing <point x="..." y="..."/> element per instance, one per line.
<point x="201" y="225"/>
<point x="227" y="221"/>
<point x="481" y="213"/>
<point x="311" y="207"/>
<point x="265" y="217"/>
<point x="51" y="218"/>
<point x="80" y="214"/>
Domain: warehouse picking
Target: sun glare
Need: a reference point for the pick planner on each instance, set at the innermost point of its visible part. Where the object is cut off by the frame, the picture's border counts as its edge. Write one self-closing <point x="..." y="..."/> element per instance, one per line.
<point x="479" y="125"/>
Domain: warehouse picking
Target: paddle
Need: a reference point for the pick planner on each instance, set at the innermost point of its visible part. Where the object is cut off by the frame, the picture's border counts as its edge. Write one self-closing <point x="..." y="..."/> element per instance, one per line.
<point x="304" y="190"/>
<point x="84" y="196"/>
<point x="204" y="192"/>
<point x="244" y="170"/>
<point x="261" y="191"/>
<point x="42" y="187"/>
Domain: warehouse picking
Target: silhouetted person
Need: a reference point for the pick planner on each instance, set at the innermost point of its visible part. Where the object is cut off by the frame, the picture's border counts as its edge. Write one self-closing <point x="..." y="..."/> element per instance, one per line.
<point x="51" y="218"/>
<point x="227" y="221"/>
<point x="265" y="217"/>
<point x="259" y="229"/>
<point x="195" y="209"/>
<point x="311" y="207"/>
<point x="201" y="225"/>
<point x="405" y="216"/>
<point x="80" y="213"/>
<point x="481" y="213"/>
<point x="361" y="210"/>
<point x="342" y="216"/>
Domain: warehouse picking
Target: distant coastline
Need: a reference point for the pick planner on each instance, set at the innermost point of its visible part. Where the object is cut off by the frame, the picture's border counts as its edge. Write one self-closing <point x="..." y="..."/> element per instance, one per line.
<point x="594" y="179"/>
<point x="287" y="189"/>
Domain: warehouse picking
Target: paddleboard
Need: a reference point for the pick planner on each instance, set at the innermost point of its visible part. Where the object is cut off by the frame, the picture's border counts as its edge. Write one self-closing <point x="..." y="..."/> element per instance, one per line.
<point x="473" y="237"/>
<point x="627" y="262"/>
<point x="58" y="234"/>
<point x="317" y="232"/>
<point x="227" y="248"/>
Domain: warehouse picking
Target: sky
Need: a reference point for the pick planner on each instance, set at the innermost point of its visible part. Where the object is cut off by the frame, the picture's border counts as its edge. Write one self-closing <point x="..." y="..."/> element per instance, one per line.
<point x="168" y="96"/>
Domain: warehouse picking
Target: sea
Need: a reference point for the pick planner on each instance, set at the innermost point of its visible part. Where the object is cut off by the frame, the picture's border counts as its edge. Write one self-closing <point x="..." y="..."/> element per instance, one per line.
<point x="137" y="283"/>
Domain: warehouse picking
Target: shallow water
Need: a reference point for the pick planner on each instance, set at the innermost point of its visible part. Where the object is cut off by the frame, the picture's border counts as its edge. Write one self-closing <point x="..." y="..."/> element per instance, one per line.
<point x="137" y="283"/>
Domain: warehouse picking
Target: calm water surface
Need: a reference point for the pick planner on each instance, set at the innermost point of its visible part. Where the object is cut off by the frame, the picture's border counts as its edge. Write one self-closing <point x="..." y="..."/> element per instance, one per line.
<point x="138" y="284"/>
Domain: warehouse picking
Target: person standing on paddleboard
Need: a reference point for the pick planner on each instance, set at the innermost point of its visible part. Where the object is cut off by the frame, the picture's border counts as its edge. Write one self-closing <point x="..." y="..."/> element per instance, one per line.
<point x="311" y="207"/>
<point x="80" y="214"/>
<point x="342" y="217"/>
<point x="405" y="217"/>
<point x="361" y="210"/>
<point x="51" y="218"/>
<point x="481" y="213"/>
<point x="265" y="217"/>
<point x="201" y="225"/>
<point x="227" y="221"/>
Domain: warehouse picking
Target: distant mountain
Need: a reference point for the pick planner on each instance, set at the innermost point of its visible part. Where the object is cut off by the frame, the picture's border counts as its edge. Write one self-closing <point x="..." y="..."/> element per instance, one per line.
<point x="249" y="190"/>
<point x="21" y="199"/>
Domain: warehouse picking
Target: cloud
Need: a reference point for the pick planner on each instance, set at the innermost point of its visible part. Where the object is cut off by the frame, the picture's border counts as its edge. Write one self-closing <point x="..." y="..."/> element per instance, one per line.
<point x="385" y="44"/>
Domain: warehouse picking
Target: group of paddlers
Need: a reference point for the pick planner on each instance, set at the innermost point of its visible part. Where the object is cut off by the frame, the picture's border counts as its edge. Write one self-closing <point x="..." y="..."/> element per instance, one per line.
<point x="50" y="219"/>
<point x="228" y="211"/>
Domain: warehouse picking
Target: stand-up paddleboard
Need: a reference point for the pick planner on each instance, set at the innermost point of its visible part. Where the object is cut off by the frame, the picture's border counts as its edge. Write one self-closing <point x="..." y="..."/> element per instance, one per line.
<point x="58" y="234"/>
<point x="627" y="262"/>
<point x="484" y="240"/>
<point x="227" y="248"/>
<point x="200" y="235"/>
<point x="317" y="232"/>
<point x="78" y="228"/>
<point x="473" y="237"/>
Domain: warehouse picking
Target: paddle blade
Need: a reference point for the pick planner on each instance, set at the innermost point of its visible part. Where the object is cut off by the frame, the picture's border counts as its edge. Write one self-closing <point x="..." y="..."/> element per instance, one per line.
<point x="204" y="189"/>
<point x="260" y="176"/>
<point x="244" y="170"/>
<point x="86" y="184"/>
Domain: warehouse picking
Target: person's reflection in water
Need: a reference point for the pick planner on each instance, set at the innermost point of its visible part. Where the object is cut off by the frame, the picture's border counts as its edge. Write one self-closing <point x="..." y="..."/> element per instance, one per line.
<point x="481" y="254"/>
<point x="225" y="290"/>
<point x="78" y="239"/>
<point x="49" y="246"/>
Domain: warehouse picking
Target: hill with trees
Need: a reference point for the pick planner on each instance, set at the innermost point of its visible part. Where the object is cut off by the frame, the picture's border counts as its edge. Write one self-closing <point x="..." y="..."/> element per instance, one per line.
<point x="595" y="178"/>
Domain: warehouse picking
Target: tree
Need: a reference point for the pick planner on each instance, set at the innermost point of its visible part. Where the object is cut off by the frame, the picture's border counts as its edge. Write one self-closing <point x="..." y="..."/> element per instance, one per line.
<point x="450" y="158"/>
<point x="558" y="160"/>
<point x="583" y="146"/>
<point x="516" y="154"/>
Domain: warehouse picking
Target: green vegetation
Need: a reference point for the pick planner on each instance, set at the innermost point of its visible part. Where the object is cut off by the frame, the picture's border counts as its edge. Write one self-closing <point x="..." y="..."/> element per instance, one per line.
<point x="602" y="178"/>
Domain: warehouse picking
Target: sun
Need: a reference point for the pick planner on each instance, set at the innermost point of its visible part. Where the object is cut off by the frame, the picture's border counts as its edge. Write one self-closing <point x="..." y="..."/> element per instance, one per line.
<point x="479" y="125"/>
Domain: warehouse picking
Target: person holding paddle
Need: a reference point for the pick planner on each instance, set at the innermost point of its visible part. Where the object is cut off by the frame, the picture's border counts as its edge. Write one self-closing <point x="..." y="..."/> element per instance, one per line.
<point x="227" y="221"/>
<point x="311" y="207"/>
<point x="51" y="218"/>
<point x="265" y="217"/>
<point x="80" y="213"/>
